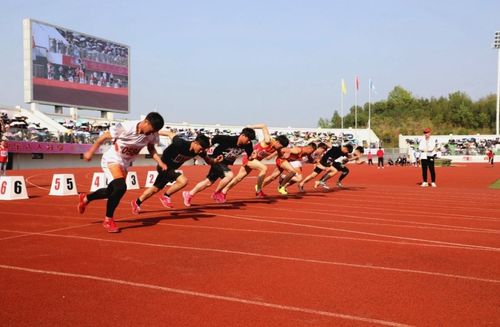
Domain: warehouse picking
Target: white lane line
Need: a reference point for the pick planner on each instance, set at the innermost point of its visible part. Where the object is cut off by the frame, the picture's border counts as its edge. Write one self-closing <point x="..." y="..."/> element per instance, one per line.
<point x="403" y="224"/>
<point x="364" y="233"/>
<point x="40" y="233"/>
<point x="35" y="185"/>
<point x="406" y="243"/>
<point x="207" y="295"/>
<point x="407" y="224"/>
<point x="375" y="210"/>
<point x="270" y="256"/>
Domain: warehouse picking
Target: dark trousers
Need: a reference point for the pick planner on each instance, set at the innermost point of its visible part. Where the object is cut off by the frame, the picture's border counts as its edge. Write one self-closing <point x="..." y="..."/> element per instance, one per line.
<point x="428" y="163"/>
<point x="370" y="162"/>
<point x="380" y="161"/>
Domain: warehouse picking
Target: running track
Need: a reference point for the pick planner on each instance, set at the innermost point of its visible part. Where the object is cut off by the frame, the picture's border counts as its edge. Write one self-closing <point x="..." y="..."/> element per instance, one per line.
<point x="382" y="252"/>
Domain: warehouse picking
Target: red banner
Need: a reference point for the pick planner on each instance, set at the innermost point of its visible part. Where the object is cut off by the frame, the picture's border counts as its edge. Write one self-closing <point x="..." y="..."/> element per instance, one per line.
<point x="48" y="147"/>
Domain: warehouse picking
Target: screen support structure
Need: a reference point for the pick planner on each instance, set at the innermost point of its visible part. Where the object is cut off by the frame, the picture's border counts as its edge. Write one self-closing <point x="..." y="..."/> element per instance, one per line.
<point x="107" y="115"/>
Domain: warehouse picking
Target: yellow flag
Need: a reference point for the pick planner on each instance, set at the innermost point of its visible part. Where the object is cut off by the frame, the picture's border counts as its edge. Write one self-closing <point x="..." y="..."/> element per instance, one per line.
<point x="344" y="88"/>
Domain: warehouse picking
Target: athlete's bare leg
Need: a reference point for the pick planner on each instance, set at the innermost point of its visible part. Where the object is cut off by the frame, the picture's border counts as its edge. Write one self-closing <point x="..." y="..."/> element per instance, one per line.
<point x="242" y="173"/>
<point x="200" y="186"/>
<point x="276" y="172"/>
<point x="292" y="172"/>
<point x="228" y="177"/>
<point x="262" y="169"/>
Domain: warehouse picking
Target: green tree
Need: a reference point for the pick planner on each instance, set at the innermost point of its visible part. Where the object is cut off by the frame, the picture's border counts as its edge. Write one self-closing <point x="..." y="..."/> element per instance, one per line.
<point x="403" y="113"/>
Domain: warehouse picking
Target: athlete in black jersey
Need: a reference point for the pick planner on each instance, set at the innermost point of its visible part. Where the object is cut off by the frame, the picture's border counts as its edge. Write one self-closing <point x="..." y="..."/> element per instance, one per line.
<point x="176" y="154"/>
<point x="326" y="161"/>
<point x="230" y="148"/>
<point x="340" y="165"/>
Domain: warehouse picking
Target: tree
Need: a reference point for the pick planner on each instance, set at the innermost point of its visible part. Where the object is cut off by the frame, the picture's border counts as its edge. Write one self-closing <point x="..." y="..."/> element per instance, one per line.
<point x="401" y="112"/>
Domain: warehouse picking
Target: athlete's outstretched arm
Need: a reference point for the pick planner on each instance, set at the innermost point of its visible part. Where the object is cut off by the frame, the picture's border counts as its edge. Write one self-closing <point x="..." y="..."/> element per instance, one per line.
<point x="265" y="131"/>
<point x="156" y="156"/>
<point x="167" y="133"/>
<point x="103" y="138"/>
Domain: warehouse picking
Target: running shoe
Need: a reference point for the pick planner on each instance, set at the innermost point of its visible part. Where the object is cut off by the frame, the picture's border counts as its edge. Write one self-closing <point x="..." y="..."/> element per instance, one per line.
<point x="135" y="207"/>
<point x="187" y="198"/>
<point x="424" y="184"/>
<point x="166" y="201"/>
<point x="110" y="226"/>
<point x="219" y="197"/>
<point x="322" y="184"/>
<point x="260" y="194"/>
<point x="81" y="202"/>
<point x="433" y="184"/>
<point x="339" y="185"/>
<point x="282" y="190"/>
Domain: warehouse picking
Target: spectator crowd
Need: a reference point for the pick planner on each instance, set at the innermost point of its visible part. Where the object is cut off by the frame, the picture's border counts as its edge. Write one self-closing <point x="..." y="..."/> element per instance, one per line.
<point x="467" y="146"/>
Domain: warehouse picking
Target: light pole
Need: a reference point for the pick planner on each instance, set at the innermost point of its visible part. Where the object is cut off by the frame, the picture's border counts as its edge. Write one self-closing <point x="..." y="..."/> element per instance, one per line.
<point x="496" y="45"/>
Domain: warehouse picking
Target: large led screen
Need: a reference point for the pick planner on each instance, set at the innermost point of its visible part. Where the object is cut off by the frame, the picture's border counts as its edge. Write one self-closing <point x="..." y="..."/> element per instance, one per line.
<point x="68" y="68"/>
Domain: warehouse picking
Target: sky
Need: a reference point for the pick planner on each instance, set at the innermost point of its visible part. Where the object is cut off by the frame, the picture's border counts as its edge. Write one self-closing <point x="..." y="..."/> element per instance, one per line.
<point x="278" y="62"/>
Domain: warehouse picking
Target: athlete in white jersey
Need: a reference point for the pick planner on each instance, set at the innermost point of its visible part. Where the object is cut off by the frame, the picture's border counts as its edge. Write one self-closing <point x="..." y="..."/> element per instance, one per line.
<point x="128" y="139"/>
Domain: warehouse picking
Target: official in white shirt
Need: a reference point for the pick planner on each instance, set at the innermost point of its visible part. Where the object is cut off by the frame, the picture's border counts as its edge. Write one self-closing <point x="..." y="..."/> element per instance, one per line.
<point x="427" y="148"/>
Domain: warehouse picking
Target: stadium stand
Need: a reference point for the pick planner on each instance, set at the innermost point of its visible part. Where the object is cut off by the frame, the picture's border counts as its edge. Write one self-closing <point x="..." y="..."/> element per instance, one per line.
<point x="52" y="136"/>
<point x="456" y="145"/>
<point x="34" y="125"/>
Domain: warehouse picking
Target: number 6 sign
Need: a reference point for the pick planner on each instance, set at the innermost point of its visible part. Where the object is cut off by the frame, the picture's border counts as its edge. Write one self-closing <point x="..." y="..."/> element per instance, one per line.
<point x="12" y="188"/>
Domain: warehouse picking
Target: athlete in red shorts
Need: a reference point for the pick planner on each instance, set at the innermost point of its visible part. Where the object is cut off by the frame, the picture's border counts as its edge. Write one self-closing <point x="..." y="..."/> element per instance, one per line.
<point x="290" y="161"/>
<point x="261" y="150"/>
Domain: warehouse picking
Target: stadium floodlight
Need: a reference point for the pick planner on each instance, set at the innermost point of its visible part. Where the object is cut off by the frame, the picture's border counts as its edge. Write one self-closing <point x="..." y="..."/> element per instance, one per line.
<point x="496" y="45"/>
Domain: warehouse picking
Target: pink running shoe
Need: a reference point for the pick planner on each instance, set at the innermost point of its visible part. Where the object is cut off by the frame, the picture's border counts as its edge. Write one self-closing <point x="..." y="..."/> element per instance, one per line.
<point x="166" y="201"/>
<point x="187" y="198"/>
<point x="110" y="226"/>
<point x="81" y="202"/>
<point x="135" y="208"/>
<point x="219" y="197"/>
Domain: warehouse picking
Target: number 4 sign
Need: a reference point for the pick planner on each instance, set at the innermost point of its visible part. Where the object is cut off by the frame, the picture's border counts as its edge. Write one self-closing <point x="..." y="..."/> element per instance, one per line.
<point x="63" y="184"/>
<point x="12" y="188"/>
<point x="99" y="180"/>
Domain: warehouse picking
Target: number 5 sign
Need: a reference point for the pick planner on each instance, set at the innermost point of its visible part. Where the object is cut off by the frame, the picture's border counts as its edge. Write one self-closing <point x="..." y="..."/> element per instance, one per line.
<point x="12" y="188"/>
<point x="63" y="184"/>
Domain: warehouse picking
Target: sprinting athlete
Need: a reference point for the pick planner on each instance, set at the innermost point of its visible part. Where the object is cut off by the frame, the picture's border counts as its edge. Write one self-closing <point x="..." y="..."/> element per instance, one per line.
<point x="297" y="164"/>
<point x="229" y="148"/>
<point x="289" y="160"/>
<point x="261" y="151"/>
<point x="128" y="139"/>
<point x="326" y="161"/>
<point x="174" y="156"/>
<point x="339" y="165"/>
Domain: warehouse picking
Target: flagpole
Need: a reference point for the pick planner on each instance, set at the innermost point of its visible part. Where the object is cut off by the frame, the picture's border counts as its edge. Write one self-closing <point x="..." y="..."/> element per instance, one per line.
<point x="356" y="102"/>
<point x="369" y="103"/>
<point x="341" y="109"/>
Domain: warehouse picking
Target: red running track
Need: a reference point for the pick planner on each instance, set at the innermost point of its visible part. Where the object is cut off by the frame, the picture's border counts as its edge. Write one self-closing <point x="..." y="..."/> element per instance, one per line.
<point x="382" y="251"/>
